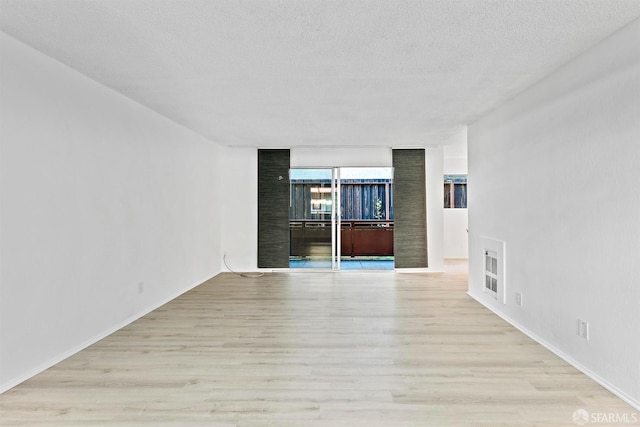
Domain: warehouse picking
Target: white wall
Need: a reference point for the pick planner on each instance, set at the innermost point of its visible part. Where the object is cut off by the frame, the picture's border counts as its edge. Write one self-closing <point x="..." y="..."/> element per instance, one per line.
<point x="99" y="194"/>
<point x="554" y="174"/>
<point x="302" y="157"/>
<point x="240" y="208"/>
<point x="455" y="154"/>
<point x="241" y="198"/>
<point x="456" y="238"/>
<point x="435" y="207"/>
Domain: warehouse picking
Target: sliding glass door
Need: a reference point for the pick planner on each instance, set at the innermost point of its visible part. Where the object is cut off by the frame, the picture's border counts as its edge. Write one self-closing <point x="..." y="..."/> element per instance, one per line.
<point x="341" y="218"/>
<point x="366" y="229"/>
<point x="312" y="216"/>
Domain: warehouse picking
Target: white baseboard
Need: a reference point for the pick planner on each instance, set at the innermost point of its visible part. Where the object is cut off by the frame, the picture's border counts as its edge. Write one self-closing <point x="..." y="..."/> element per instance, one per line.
<point x="603" y="382"/>
<point x="75" y="349"/>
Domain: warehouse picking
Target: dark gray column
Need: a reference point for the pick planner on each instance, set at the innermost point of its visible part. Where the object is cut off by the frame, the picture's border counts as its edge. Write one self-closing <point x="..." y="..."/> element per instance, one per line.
<point x="273" y="208"/>
<point x="410" y="209"/>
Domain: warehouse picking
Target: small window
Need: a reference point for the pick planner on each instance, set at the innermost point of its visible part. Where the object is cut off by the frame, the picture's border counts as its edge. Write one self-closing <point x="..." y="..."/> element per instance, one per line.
<point x="455" y="191"/>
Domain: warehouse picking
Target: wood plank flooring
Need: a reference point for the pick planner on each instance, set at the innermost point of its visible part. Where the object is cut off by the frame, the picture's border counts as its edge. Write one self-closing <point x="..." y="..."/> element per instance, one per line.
<point x="313" y="349"/>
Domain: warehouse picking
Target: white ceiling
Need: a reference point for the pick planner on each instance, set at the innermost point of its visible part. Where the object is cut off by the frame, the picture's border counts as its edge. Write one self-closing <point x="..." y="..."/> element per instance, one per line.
<point x="317" y="72"/>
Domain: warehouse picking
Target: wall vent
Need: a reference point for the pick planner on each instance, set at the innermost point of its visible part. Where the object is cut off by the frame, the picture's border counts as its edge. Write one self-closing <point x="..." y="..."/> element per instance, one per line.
<point x="493" y="268"/>
<point x="491" y="273"/>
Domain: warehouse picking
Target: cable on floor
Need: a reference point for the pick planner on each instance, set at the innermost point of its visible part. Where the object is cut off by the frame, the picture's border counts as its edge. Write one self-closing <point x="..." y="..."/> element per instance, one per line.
<point x="251" y="275"/>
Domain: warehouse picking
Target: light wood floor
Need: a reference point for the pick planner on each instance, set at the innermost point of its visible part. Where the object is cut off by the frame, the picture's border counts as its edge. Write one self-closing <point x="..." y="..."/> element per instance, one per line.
<point x="313" y="349"/>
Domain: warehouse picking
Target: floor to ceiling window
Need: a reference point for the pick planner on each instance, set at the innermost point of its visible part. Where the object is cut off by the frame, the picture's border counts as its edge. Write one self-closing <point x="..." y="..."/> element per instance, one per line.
<point x="341" y="218"/>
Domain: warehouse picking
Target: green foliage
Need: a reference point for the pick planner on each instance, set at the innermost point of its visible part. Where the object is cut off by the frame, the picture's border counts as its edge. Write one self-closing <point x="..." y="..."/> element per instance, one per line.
<point x="378" y="213"/>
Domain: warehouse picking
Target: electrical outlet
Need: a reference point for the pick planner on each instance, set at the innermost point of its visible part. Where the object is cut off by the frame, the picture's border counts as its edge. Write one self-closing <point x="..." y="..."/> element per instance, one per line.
<point x="519" y="299"/>
<point x="140" y="287"/>
<point x="583" y="329"/>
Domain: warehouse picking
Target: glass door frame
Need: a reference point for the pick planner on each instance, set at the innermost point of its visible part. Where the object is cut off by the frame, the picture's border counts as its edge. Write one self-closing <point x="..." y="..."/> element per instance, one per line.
<point x="336" y="220"/>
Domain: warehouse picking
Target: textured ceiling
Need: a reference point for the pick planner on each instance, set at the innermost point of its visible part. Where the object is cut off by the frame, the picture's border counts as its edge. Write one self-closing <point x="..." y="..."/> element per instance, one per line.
<point x="317" y="72"/>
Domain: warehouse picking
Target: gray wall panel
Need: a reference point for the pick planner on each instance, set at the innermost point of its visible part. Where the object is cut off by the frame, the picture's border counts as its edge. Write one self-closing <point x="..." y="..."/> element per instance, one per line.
<point x="410" y="209"/>
<point x="273" y="208"/>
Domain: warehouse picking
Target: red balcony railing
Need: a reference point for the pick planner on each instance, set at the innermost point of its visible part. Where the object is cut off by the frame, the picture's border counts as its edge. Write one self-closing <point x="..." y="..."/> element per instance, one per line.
<point x="358" y="238"/>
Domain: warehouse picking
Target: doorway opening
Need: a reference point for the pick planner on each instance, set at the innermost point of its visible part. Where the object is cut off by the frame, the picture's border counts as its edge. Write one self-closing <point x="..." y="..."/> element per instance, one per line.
<point x="341" y="218"/>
